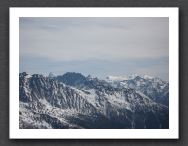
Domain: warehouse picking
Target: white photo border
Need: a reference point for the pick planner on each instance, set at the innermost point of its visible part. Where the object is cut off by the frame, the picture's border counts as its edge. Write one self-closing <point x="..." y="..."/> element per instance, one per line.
<point x="172" y="133"/>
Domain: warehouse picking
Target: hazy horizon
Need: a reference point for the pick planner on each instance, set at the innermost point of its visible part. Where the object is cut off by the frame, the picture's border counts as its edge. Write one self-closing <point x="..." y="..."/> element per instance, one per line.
<point x="96" y="46"/>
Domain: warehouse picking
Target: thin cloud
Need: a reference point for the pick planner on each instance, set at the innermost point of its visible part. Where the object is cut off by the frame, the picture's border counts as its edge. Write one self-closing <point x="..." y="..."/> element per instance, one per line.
<point x="99" y="38"/>
<point x="63" y="40"/>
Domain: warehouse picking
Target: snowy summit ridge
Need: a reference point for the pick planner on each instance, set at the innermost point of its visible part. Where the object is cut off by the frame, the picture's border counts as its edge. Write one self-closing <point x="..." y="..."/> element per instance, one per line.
<point x="125" y="77"/>
<point x="75" y="101"/>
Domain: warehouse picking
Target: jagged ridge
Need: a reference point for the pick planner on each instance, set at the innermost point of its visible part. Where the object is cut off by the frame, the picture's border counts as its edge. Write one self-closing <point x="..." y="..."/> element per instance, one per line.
<point x="46" y="102"/>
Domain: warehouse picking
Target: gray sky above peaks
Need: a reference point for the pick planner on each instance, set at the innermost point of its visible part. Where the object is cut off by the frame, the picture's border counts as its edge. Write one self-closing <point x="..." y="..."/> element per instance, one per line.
<point x="96" y="46"/>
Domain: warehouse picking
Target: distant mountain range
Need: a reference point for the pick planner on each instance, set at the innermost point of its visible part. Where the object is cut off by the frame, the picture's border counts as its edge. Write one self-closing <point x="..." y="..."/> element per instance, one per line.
<point x="75" y="101"/>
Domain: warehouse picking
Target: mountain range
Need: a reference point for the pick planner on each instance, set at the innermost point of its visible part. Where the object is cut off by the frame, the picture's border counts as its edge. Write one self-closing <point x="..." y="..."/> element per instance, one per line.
<point x="74" y="101"/>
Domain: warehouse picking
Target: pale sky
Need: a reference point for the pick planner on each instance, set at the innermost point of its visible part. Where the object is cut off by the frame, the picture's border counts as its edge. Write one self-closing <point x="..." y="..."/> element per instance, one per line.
<point x="96" y="46"/>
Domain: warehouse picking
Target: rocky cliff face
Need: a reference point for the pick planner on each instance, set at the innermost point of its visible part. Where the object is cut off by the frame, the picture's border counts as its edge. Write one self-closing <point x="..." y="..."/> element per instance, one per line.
<point x="75" y="101"/>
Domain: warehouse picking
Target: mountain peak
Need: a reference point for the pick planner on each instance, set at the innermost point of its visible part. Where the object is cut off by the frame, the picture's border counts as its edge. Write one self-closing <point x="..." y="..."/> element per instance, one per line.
<point x="24" y="75"/>
<point x="82" y="103"/>
<point x="127" y="77"/>
<point x="51" y="75"/>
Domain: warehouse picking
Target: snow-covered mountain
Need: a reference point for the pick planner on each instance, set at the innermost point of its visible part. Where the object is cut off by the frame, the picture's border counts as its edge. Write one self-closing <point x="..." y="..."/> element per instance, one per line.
<point x="75" y="101"/>
<point x="125" y="77"/>
<point x="155" y="88"/>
